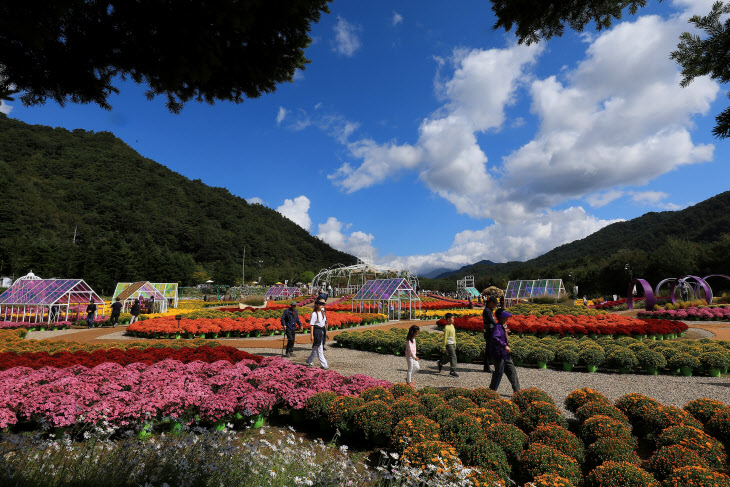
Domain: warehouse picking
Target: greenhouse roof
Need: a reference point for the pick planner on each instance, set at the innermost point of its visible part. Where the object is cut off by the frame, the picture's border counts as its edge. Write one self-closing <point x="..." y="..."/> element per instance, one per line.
<point x="283" y="291"/>
<point x="167" y="289"/>
<point x="142" y="289"/>
<point x="534" y="287"/>
<point x="380" y="289"/>
<point x="472" y="291"/>
<point x="49" y="291"/>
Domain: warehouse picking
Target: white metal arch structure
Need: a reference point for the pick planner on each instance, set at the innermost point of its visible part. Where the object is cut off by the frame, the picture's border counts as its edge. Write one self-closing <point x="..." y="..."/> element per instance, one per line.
<point x="349" y="279"/>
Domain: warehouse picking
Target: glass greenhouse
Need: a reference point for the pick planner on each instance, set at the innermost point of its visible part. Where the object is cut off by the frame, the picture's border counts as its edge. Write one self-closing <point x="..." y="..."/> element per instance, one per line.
<point x="276" y="293"/>
<point x="149" y="296"/>
<point x="465" y="288"/>
<point x="167" y="289"/>
<point x="529" y="289"/>
<point x="391" y="296"/>
<point x="35" y="300"/>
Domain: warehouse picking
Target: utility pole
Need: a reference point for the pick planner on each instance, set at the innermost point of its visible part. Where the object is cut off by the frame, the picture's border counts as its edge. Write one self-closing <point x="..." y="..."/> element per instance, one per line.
<point x="76" y="228"/>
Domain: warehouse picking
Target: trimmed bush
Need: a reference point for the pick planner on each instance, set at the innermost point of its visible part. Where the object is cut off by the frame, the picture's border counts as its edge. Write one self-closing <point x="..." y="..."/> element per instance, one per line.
<point x="683" y="359"/>
<point x="622" y="358"/>
<point x="457" y="392"/>
<point x="431" y="401"/>
<point x="714" y="360"/>
<point x="461" y="429"/>
<point x="441" y="413"/>
<point x="703" y="409"/>
<point x="561" y="439"/>
<point x="667" y="458"/>
<point x="623" y="474"/>
<point x="419" y="455"/>
<point x="377" y="394"/>
<point x="541" y="355"/>
<point x="524" y="397"/>
<point x="429" y="390"/>
<point x="711" y="450"/>
<point x="461" y="403"/>
<point x="412" y="430"/>
<point x="341" y="412"/>
<point x="507" y="410"/>
<point x="649" y="358"/>
<point x="668" y="416"/>
<point x="591" y="409"/>
<point x="486" y="454"/>
<point x="719" y="425"/>
<point x="579" y="397"/>
<point x="540" y="413"/>
<point x="693" y="476"/>
<point x="594" y="356"/>
<point x="509" y="437"/>
<point x="567" y="356"/>
<point x="405" y="407"/>
<point x="486" y="417"/>
<point x="318" y="404"/>
<point x="375" y="421"/>
<point x="483" y="396"/>
<point x="402" y="390"/>
<point x="640" y="410"/>
<point x="599" y="427"/>
<point x="610" y="450"/>
<point x="550" y="480"/>
<point x="541" y="459"/>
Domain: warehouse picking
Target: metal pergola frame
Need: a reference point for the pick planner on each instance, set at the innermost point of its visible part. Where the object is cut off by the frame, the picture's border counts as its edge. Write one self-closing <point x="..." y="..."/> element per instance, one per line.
<point x="389" y="293"/>
<point x="532" y="288"/>
<point x="36" y="297"/>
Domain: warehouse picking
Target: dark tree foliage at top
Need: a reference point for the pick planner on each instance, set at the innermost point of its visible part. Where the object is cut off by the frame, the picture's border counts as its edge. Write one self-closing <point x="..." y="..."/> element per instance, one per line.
<point x="538" y="19"/>
<point x="207" y="50"/>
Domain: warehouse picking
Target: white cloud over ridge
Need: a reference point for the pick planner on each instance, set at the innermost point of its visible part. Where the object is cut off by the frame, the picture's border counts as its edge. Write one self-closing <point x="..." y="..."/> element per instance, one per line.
<point x="255" y="200"/>
<point x="357" y="243"/>
<point x="5" y="108"/>
<point x="297" y="210"/>
<point x="347" y="40"/>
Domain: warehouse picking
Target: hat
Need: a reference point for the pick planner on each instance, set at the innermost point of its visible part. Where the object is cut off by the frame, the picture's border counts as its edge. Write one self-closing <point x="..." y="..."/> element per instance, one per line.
<point x="492" y="299"/>
<point x="503" y="314"/>
<point x="293" y="303"/>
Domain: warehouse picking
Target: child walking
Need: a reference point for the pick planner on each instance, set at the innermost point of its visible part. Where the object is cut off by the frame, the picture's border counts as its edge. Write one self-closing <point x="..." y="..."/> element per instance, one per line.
<point x="500" y="353"/>
<point x="449" y="346"/>
<point x="411" y="359"/>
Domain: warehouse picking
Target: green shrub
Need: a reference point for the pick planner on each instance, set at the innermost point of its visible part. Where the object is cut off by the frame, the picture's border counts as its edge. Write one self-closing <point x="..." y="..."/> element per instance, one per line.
<point x="540" y="413"/>
<point x="318" y="404"/>
<point x="507" y="410"/>
<point x="596" y="408"/>
<point x="668" y="416"/>
<point x="540" y="459"/>
<point x="509" y="437"/>
<point x="599" y="427"/>
<point x="461" y="403"/>
<point x="567" y="355"/>
<point x="375" y="421"/>
<point x="550" y="480"/>
<point x="541" y="354"/>
<point x="561" y="439"/>
<point x="377" y="394"/>
<point x="682" y="359"/>
<point x="429" y="390"/>
<point x="696" y="440"/>
<point x="649" y="358"/>
<point x="405" y="407"/>
<point x="483" y="396"/>
<point x="486" y="454"/>
<point x="419" y="454"/>
<point x="431" y="401"/>
<point x="623" y="474"/>
<point x="703" y="409"/>
<point x="640" y="410"/>
<point x="524" y="397"/>
<point x="622" y="358"/>
<point x="441" y="413"/>
<point x="719" y="425"/>
<point x="414" y="429"/>
<point x="693" y="476"/>
<point x="579" y="397"/>
<point x="667" y="458"/>
<point x="486" y="417"/>
<point x="520" y="353"/>
<point x="457" y="392"/>
<point x="254" y="300"/>
<point x="592" y="356"/>
<point x="460" y="429"/>
<point x="713" y="360"/>
<point x="402" y="390"/>
<point x="610" y="449"/>
<point x="341" y="412"/>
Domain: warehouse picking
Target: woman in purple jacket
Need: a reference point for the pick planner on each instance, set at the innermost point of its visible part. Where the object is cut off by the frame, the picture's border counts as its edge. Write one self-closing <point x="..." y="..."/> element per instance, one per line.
<point x="499" y="352"/>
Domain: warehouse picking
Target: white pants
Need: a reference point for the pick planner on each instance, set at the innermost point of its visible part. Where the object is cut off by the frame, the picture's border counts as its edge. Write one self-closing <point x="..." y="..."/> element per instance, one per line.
<point x="413" y="367"/>
<point x="319" y="353"/>
<point x="134" y="318"/>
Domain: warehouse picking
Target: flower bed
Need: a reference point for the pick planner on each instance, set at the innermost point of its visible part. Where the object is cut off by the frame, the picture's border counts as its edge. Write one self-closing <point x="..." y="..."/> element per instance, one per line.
<point x="230" y="326"/>
<point x="552" y="310"/>
<point x="124" y="397"/>
<point x="705" y="313"/>
<point x="576" y="325"/>
<point x="151" y="355"/>
<point x="616" y="304"/>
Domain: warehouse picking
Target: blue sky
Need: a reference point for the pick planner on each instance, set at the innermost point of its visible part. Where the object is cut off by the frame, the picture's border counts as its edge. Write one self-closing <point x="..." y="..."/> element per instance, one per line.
<point x="423" y="137"/>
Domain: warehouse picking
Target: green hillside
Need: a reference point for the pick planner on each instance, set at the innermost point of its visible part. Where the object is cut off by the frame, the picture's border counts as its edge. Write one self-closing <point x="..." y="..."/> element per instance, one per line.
<point x="695" y="240"/>
<point x="135" y="218"/>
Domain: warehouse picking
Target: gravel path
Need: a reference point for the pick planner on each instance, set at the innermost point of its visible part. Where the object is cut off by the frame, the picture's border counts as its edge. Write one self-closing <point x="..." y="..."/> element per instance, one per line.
<point x="669" y="390"/>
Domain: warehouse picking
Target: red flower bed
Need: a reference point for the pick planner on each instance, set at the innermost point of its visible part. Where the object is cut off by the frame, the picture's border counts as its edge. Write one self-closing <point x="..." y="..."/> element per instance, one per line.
<point x="576" y="325"/>
<point x="149" y="356"/>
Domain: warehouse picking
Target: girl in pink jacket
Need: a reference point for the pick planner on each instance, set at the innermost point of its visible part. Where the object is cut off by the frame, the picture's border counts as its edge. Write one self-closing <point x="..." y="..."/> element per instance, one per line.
<point x="411" y="359"/>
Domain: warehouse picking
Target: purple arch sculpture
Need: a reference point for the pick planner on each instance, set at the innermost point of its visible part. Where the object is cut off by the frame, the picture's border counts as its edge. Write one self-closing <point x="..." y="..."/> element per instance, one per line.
<point x="648" y="294"/>
<point x="671" y="286"/>
<point x="712" y="295"/>
<point x="700" y="282"/>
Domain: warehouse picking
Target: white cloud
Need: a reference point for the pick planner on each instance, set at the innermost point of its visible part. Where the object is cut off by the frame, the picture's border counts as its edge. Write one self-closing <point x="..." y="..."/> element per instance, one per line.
<point x="503" y="242"/>
<point x="331" y="232"/>
<point x="255" y="200"/>
<point x="597" y="200"/>
<point x="347" y="40"/>
<point x="281" y="115"/>
<point x="397" y="18"/>
<point x="297" y="210"/>
<point x="5" y="108"/>
<point x="648" y="197"/>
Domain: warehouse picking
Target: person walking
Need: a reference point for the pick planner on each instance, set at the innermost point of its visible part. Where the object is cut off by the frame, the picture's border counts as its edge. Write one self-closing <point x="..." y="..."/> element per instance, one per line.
<point x="90" y="313"/>
<point x="134" y="311"/>
<point x="489" y="322"/>
<point x="449" y="346"/>
<point x="116" y="311"/>
<point x="411" y="359"/>
<point x="322" y="296"/>
<point x="501" y="353"/>
<point x="290" y="322"/>
<point x="318" y="322"/>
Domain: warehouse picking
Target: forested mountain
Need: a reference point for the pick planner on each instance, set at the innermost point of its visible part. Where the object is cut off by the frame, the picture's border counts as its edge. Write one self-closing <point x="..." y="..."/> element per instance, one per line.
<point x="134" y="219"/>
<point x="695" y="240"/>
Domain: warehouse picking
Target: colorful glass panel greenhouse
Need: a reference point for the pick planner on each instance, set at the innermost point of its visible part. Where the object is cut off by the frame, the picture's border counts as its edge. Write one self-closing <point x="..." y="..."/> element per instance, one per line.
<point x="282" y="292"/>
<point x="391" y="296"/>
<point x="33" y="300"/>
<point x="532" y="288"/>
<point x="167" y="289"/>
